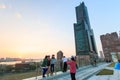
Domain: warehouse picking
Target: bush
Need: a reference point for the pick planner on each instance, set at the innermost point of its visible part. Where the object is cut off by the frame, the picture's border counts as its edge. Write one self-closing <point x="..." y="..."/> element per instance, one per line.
<point x="21" y="67"/>
<point x="32" y="67"/>
<point x="9" y="68"/>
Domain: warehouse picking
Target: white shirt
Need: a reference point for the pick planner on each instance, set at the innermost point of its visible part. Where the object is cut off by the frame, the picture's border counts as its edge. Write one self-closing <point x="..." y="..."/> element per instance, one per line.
<point x="64" y="59"/>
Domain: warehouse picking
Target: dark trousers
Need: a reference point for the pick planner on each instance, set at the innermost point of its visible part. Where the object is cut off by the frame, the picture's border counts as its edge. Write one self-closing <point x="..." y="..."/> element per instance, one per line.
<point x="44" y="71"/>
<point x="52" y="67"/>
<point x="65" y="67"/>
<point x="72" y="76"/>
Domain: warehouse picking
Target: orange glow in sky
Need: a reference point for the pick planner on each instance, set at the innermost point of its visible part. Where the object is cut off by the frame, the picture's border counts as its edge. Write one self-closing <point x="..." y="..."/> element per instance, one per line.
<point x="35" y="28"/>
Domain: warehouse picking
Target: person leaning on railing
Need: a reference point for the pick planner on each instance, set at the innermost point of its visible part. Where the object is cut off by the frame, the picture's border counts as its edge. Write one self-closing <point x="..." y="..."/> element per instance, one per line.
<point x="44" y="66"/>
<point x="48" y="65"/>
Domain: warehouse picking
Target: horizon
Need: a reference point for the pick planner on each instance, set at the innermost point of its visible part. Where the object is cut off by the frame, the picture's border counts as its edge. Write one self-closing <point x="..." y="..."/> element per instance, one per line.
<point x="33" y="29"/>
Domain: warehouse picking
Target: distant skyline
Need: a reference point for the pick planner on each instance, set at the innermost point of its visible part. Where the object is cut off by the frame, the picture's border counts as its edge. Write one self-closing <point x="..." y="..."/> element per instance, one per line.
<point x="34" y="28"/>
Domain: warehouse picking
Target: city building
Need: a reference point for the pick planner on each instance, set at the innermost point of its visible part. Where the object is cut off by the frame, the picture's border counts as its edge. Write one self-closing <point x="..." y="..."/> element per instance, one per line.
<point x="2" y="59"/>
<point x="110" y="43"/>
<point x="84" y="36"/>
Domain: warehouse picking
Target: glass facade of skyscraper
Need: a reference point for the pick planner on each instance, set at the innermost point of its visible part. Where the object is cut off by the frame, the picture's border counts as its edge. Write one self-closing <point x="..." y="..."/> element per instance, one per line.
<point x="84" y="37"/>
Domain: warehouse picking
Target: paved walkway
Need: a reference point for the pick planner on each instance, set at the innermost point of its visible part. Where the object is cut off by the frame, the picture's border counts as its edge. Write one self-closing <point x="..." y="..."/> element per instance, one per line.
<point x="83" y="73"/>
<point x="115" y="76"/>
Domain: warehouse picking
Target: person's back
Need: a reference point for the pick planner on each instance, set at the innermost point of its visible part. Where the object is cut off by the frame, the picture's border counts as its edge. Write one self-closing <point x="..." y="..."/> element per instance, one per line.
<point x="53" y="60"/>
<point x="64" y="59"/>
<point x="72" y="64"/>
<point x="44" y="64"/>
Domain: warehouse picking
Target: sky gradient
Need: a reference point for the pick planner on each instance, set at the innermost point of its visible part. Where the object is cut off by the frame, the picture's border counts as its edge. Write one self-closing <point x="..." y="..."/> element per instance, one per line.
<point x="34" y="28"/>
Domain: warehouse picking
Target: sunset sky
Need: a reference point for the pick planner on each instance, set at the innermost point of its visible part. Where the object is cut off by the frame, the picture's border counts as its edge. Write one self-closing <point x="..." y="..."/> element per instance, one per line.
<point x="34" y="28"/>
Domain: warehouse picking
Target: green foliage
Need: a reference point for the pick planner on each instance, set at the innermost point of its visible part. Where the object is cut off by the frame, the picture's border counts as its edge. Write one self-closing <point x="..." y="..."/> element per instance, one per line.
<point x="25" y="67"/>
<point x="105" y="72"/>
<point x="111" y="65"/>
<point x="9" y="68"/>
<point x="19" y="76"/>
<point x="6" y="69"/>
<point x="32" y="67"/>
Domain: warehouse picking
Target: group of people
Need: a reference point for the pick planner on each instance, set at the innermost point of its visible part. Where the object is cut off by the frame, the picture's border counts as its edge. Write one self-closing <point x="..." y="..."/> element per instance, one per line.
<point x="49" y="63"/>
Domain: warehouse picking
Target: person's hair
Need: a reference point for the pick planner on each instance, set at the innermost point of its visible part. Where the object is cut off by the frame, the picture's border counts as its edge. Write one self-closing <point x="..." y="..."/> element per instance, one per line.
<point x="46" y="56"/>
<point x="72" y="58"/>
<point x="53" y="57"/>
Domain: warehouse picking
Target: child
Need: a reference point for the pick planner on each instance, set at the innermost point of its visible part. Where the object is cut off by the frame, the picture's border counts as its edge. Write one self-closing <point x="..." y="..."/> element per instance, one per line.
<point x="72" y="64"/>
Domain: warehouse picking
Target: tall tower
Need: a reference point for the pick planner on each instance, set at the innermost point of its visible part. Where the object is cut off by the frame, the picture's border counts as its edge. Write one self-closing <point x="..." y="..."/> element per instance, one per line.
<point x="84" y="36"/>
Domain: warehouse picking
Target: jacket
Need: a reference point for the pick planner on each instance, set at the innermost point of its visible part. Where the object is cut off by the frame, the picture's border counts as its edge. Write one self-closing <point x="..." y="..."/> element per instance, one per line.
<point x="72" y="66"/>
<point x="45" y="62"/>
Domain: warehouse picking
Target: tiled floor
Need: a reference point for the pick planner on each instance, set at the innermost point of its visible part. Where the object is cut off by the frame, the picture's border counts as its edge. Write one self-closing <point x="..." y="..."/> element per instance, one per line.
<point x="82" y="73"/>
<point x="115" y="76"/>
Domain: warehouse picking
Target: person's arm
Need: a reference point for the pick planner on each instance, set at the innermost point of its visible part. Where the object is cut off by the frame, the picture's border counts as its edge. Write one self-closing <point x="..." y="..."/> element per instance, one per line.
<point x="68" y="62"/>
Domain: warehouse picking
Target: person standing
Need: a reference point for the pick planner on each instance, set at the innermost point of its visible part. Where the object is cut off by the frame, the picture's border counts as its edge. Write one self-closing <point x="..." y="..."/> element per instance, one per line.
<point x="72" y="64"/>
<point x="52" y="64"/>
<point x="64" y="59"/>
<point x="44" y="66"/>
<point x="48" y="64"/>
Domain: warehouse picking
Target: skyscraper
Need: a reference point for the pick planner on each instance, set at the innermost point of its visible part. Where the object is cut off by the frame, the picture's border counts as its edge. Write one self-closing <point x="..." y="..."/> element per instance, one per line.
<point x="84" y="37"/>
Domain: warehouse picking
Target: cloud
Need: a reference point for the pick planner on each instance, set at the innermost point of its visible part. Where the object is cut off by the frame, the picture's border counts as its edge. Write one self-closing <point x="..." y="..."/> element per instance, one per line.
<point x="18" y="15"/>
<point x="10" y="8"/>
<point x="3" y="6"/>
